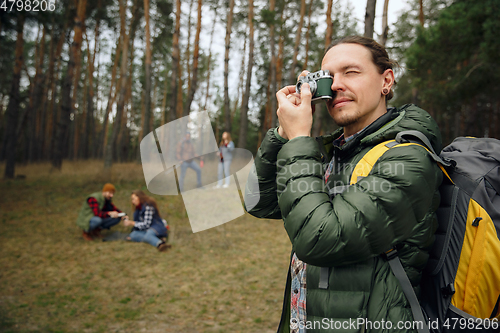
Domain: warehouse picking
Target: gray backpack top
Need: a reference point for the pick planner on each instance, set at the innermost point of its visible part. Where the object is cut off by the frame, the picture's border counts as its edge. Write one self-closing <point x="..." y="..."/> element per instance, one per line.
<point x="460" y="287"/>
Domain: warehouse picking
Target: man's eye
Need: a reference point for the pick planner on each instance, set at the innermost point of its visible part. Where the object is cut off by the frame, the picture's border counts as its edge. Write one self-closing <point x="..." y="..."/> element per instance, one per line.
<point x="352" y="72"/>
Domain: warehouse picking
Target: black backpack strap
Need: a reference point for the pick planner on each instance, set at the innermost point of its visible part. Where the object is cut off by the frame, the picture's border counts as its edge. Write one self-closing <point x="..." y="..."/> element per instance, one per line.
<point x="400" y="274"/>
<point x="407" y="136"/>
<point x="495" y="310"/>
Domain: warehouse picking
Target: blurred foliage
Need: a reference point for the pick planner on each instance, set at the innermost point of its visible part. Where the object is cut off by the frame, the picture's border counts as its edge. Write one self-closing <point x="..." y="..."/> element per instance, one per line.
<point x="453" y="68"/>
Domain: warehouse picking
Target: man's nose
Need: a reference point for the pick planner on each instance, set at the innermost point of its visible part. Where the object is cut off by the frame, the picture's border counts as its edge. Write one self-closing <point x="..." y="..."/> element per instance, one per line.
<point x="337" y="84"/>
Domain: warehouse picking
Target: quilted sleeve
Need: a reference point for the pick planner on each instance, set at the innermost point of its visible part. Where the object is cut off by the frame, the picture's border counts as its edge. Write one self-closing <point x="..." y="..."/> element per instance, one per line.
<point x="370" y="217"/>
<point x="261" y="185"/>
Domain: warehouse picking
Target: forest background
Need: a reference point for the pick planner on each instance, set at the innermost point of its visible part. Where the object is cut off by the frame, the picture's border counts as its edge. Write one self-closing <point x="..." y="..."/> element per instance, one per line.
<point x="90" y="78"/>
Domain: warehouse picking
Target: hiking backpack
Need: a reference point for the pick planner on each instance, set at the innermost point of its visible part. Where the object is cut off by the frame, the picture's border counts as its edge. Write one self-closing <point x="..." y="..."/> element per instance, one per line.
<point x="460" y="287"/>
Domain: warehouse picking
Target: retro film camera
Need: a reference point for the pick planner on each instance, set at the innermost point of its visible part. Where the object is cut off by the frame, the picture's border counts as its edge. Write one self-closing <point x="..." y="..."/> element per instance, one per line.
<point x="320" y="83"/>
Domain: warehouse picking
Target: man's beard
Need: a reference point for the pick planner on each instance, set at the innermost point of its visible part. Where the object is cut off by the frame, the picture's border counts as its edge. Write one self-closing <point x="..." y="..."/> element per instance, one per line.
<point x="345" y="118"/>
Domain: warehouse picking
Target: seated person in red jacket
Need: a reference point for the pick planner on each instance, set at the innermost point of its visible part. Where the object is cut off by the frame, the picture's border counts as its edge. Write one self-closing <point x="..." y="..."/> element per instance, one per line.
<point x="98" y="212"/>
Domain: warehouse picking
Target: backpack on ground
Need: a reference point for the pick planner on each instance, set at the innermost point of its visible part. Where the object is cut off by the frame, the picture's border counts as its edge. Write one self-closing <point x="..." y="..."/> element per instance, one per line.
<point x="460" y="287"/>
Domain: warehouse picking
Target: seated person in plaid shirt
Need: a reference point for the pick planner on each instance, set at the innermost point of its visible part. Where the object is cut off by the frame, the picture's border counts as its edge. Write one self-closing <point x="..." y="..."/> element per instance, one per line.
<point x="148" y="225"/>
<point x="98" y="212"/>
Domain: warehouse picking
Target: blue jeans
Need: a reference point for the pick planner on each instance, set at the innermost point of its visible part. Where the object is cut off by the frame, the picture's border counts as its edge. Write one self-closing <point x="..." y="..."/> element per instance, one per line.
<point x="98" y="222"/>
<point x="223" y="172"/>
<point x="146" y="236"/>
<point x="193" y="166"/>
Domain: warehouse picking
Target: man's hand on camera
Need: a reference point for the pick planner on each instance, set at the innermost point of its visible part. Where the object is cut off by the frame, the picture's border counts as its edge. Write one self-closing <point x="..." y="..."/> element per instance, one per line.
<point x="294" y="112"/>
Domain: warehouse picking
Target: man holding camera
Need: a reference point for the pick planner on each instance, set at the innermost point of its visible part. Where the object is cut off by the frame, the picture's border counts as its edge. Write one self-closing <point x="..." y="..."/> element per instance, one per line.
<point x="340" y="231"/>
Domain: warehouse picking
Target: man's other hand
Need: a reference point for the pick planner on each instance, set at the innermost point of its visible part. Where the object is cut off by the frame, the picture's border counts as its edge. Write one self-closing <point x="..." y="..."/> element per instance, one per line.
<point x="295" y="112"/>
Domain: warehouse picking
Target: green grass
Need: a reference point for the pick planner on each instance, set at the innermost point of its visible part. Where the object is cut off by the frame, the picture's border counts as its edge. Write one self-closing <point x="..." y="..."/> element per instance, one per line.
<point x="226" y="279"/>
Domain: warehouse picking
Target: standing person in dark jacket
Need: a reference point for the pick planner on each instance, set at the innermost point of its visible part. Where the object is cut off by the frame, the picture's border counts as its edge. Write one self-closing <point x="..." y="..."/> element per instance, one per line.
<point x="186" y="154"/>
<point x="338" y="280"/>
<point x="148" y="224"/>
<point x="98" y="212"/>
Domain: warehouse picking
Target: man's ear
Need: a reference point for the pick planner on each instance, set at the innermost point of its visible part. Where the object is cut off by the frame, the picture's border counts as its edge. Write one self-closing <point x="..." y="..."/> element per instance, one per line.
<point x="388" y="76"/>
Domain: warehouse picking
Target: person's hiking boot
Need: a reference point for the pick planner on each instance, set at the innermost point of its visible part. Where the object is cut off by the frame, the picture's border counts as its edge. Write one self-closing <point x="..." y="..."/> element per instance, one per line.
<point x="163" y="246"/>
<point x="87" y="236"/>
<point x="96" y="233"/>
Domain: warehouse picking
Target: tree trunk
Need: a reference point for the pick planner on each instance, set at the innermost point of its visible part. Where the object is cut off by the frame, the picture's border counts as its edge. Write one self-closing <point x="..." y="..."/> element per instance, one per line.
<point x="143" y="115"/>
<point x="3" y="120"/>
<point x="385" y="26"/>
<point x="124" y="135"/>
<point x="66" y="99"/>
<point x="14" y="99"/>
<point x="34" y="117"/>
<point x="227" y="115"/>
<point x="28" y="120"/>
<point x="241" y="85"/>
<point x="414" y="90"/>
<point x="273" y="106"/>
<point x="318" y="115"/>
<point x="154" y="100"/>
<point x="175" y="61"/>
<point x="164" y="116"/>
<point x="265" y="113"/>
<point x="46" y="120"/>
<point x="329" y="25"/>
<point x="54" y="107"/>
<point x="188" y="45"/>
<point x="89" y="95"/>
<point x="79" y="113"/>
<point x="421" y="12"/>
<point x="147" y="88"/>
<point x="53" y="88"/>
<point x="308" y="35"/>
<point x="103" y="137"/>
<point x="279" y="63"/>
<point x="370" y="17"/>
<point x="78" y="117"/>
<point x="89" y="140"/>
<point x="209" y="59"/>
<point x="111" y="145"/>
<point x="124" y="138"/>
<point x="242" y="141"/>
<point x="4" y="123"/>
<point x="293" y="75"/>
<point x="178" y="107"/>
<point x="194" y="81"/>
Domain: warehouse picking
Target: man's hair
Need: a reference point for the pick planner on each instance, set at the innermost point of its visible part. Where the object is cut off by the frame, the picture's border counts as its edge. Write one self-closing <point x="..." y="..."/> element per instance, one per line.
<point x="108" y="187"/>
<point x="379" y="54"/>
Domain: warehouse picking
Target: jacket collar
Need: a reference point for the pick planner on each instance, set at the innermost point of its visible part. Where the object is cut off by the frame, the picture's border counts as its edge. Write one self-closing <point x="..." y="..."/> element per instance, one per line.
<point x="355" y="143"/>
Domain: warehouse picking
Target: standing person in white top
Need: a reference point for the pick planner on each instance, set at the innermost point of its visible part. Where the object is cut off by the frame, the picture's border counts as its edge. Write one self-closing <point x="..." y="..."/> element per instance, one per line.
<point x="225" y="153"/>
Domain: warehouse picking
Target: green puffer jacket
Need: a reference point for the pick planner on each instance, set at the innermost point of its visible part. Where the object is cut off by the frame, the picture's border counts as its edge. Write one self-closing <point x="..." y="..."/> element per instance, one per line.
<point x="392" y="207"/>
